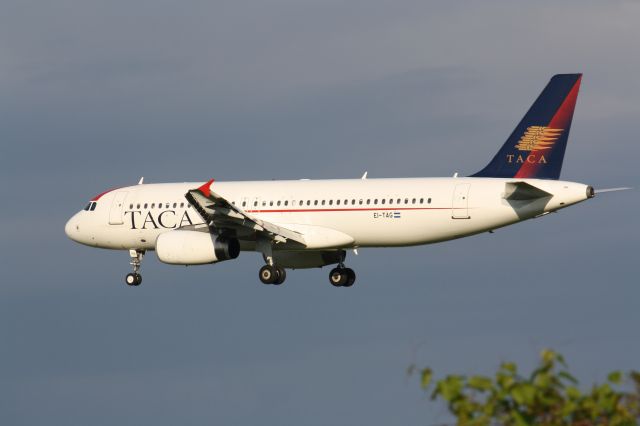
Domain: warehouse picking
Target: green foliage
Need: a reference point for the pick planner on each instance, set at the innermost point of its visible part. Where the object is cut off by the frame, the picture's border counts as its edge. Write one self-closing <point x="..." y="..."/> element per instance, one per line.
<point x="550" y="396"/>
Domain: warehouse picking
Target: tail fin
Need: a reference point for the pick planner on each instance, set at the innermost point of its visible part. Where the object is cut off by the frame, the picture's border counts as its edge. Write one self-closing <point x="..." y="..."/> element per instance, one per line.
<point x="536" y="147"/>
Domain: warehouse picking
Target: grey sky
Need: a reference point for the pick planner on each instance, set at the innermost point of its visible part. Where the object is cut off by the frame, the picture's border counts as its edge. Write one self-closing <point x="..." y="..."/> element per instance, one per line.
<point x="96" y="94"/>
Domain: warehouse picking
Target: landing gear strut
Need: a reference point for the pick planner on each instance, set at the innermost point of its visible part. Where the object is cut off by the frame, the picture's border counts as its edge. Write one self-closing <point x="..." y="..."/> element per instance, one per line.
<point x="270" y="273"/>
<point x="342" y="277"/>
<point x="135" y="279"/>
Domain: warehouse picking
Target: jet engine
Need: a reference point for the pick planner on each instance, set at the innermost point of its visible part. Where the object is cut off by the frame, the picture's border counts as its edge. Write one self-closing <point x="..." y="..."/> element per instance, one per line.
<point x="195" y="248"/>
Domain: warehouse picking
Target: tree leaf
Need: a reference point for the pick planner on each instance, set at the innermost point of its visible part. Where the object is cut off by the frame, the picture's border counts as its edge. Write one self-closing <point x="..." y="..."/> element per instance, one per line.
<point x="425" y="377"/>
<point x="615" y="377"/>
<point x="565" y="375"/>
<point x="510" y="367"/>
<point x="480" y="383"/>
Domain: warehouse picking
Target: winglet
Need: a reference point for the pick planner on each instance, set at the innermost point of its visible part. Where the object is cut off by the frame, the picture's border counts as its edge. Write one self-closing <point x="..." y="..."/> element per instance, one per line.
<point x="206" y="188"/>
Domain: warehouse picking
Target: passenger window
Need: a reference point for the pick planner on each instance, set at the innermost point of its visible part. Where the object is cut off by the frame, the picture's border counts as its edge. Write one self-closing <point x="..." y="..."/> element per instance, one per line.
<point x="315" y="203"/>
<point x="429" y="200"/>
<point x="368" y="201"/>
<point x="130" y="206"/>
<point x="406" y="201"/>
<point x="175" y="205"/>
<point x="399" y="201"/>
<point x="182" y="204"/>
<point x="413" y="201"/>
<point x="286" y="202"/>
<point x="323" y="202"/>
<point x="330" y="202"/>
<point x="271" y="203"/>
<point x="375" y="201"/>
<point x="360" y="201"/>
<point x="337" y="202"/>
<point x="146" y="205"/>
<point x="166" y="206"/>
<point x="255" y="204"/>
<point x="308" y="202"/>
<point x="244" y="203"/>
<point x="421" y="200"/>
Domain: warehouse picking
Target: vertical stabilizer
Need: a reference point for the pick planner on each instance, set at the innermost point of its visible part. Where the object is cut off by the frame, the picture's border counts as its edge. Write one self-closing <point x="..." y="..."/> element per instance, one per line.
<point x="536" y="147"/>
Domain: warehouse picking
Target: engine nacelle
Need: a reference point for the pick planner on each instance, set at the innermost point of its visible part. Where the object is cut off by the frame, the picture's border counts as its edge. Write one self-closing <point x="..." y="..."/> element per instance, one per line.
<point x="195" y="248"/>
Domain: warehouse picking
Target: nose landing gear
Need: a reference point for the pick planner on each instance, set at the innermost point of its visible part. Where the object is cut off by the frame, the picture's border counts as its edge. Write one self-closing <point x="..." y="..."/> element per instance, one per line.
<point x="135" y="279"/>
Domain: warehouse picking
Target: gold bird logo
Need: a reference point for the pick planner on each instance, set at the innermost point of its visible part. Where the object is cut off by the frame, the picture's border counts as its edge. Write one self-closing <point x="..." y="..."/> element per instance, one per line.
<point x="538" y="138"/>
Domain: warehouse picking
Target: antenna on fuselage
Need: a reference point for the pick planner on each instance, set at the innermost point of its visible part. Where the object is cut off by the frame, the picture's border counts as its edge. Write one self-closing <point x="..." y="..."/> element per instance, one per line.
<point x="141" y="181"/>
<point x="364" y="176"/>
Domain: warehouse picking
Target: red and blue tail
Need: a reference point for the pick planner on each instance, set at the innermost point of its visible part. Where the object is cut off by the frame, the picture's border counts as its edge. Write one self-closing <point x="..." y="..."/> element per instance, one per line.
<point x="536" y="147"/>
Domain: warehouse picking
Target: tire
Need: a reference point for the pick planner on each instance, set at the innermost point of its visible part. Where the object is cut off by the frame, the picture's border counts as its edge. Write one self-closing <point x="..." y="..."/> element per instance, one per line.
<point x="268" y="274"/>
<point x="138" y="279"/>
<point x="351" y="277"/>
<point x="338" y="277"/>
<point x="281" y="275"/>
<point x="130" y="279"/>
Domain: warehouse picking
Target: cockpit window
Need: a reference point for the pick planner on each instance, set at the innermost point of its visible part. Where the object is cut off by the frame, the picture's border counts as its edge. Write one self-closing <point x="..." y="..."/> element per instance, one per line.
<point x="88" y="207"/>
<point x="91" y="206"/>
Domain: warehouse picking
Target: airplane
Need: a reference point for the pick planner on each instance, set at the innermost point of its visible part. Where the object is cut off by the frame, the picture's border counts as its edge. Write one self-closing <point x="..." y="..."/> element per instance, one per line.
<point x="312" y="223"/>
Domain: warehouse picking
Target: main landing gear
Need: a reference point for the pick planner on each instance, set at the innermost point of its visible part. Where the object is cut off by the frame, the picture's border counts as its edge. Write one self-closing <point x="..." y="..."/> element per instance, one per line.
<point x="342" y="277"/>
<point x="135" y="279"/>
<point x="271" y="274"/>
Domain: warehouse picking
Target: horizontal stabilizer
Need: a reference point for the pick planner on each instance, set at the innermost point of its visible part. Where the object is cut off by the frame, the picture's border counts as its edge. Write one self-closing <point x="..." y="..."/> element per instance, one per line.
<point x="521" y="191"/>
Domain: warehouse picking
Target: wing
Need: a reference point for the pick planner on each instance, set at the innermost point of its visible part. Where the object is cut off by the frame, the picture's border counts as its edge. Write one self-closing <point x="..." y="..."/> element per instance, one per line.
<point x="221" y="214"/>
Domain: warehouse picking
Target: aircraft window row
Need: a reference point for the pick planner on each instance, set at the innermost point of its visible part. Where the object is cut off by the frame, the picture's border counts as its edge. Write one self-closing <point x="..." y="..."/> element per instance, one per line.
<point x="159" y="205"/>
<point x="361" y="201"/>
<point x="91" y="206"/>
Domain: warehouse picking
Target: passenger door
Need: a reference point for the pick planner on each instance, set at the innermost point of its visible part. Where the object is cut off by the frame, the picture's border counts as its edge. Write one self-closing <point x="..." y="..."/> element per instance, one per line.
<point x="117" y="208"/>
<point x="460" y="204"/>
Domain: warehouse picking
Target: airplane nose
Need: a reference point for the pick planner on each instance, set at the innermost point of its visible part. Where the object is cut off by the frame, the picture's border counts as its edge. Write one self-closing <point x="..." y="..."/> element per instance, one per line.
<point x="72" y="228"/>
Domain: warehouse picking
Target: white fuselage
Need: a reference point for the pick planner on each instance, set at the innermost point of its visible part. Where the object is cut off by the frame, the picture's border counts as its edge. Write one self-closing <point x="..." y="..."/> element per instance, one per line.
<point x="330" y="214"/>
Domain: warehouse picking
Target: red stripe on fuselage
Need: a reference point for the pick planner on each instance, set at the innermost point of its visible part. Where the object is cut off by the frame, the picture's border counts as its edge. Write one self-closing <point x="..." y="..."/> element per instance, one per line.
<point x="97" y="197"/>
<point x="348" y="210"/>
<point x="560" y="120"/>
